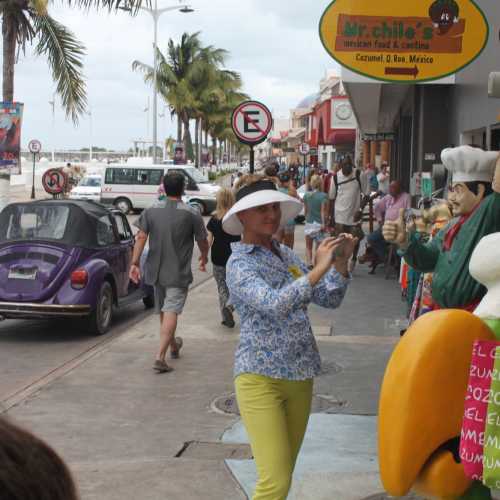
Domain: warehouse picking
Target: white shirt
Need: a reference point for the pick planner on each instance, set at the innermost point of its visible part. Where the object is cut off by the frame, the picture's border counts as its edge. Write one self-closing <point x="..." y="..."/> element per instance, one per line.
<point x="348" y="197"/>
<point x="383" y="182"/>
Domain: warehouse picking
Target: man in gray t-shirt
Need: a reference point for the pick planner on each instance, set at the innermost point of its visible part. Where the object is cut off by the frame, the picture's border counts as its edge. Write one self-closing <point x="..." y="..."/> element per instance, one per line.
<point x="171" y="226"/>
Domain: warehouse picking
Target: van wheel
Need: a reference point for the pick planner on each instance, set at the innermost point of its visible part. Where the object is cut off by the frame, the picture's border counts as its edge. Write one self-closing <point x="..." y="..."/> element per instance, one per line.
<point x="199" y="206"/>
<point x="123" y="204"/>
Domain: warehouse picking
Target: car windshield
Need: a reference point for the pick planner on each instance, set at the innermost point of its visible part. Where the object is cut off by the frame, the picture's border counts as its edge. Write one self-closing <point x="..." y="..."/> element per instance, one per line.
<point x="90" y="182"/>
<point x="37" y="222"/>
<point x="195" y="174"/>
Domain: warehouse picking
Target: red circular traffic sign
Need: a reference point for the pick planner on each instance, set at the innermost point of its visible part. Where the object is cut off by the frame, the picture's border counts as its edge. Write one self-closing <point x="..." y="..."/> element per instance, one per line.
<point x="54" y="181"/>
<point x="304" y="149"/>
<point x="251" y="121"/>
<point x="35" y="146"/>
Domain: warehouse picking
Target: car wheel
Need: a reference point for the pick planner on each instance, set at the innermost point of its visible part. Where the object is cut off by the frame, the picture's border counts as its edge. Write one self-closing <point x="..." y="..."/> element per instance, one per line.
<point x="199" y="206"/>
<point x="124" y="205"/>
<point x="102" y="315"/>
<point x="148" y="301"/>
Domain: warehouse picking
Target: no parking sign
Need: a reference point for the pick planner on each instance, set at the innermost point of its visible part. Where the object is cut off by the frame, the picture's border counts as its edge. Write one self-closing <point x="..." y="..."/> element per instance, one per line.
<point x="251" y="122"/>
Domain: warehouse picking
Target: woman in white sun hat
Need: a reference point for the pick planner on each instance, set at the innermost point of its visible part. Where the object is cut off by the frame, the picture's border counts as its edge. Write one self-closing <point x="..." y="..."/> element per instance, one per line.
<point x="277" y="357"/>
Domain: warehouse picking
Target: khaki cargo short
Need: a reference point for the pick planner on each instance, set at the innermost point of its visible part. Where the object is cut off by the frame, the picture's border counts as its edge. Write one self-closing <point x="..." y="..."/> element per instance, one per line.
<point x="170" y="299"/>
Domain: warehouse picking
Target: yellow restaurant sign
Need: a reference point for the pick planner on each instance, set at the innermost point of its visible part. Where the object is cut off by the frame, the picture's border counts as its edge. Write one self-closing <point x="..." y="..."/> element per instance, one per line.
<point x="404" y="40"/>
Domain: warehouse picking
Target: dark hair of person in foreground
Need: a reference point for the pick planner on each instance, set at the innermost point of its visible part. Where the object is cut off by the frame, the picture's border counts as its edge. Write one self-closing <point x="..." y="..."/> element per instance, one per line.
<point x="30" y="469"/>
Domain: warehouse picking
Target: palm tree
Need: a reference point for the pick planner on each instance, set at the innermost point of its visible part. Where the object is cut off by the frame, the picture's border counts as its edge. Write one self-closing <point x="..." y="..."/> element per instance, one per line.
<point x="27" y="22"/>
<point x="217" y="97"/>
<point x="191" y="81"/>
<point x="174" y="76"/>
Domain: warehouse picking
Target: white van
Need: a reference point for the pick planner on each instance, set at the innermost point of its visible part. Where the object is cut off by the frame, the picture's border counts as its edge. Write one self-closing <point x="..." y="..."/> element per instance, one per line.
<point x="128" y="187"/>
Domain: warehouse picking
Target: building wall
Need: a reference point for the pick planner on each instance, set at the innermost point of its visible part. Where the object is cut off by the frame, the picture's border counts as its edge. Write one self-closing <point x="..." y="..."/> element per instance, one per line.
<point x="471" y="109"/>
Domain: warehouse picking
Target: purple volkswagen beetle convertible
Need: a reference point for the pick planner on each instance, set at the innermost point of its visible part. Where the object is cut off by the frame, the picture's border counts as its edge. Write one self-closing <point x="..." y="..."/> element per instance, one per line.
<point x="63" y="258"/>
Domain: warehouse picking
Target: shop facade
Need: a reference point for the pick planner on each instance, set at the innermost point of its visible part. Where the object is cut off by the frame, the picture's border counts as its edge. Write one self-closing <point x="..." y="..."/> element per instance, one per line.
<point x="409" y="124"/>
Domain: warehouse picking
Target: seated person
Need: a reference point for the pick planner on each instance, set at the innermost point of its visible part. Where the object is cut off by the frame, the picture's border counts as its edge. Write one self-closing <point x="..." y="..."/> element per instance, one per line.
<point x="386" y="210"/>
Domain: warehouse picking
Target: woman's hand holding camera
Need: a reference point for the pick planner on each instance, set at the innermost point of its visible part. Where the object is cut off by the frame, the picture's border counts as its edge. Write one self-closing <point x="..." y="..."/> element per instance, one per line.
<point x="335" y="251"/>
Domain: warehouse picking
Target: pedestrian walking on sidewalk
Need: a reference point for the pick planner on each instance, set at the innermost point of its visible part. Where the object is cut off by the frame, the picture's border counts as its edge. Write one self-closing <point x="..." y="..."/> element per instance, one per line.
<point x="171" y="226"/>
<point x="316" y="211"/>
<point x="220" y="244"/>
<point x="347" y="193"/>
<point x="277" y="357"/>
<point x="286" y="234"/>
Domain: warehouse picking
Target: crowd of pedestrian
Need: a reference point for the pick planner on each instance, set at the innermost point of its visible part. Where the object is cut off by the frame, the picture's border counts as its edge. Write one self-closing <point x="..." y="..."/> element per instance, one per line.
<point x="249" y="239"/>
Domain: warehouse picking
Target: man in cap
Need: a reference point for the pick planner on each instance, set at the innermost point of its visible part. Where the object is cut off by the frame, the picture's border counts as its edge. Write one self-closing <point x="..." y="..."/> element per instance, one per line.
<point x="476" y="209"/>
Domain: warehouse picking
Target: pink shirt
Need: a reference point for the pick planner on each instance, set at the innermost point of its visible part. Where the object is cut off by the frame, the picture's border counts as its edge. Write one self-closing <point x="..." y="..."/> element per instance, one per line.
<point x="388" y="208"/>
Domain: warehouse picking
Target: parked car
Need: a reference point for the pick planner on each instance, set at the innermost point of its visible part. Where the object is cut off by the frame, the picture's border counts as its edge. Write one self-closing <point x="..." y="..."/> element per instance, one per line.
<point x="66" y="258"/>
<point x="89" y="188"/>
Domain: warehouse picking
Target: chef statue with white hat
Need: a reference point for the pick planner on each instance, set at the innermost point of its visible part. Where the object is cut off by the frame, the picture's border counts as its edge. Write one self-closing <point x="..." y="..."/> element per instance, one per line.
<point x="475" y="198"/>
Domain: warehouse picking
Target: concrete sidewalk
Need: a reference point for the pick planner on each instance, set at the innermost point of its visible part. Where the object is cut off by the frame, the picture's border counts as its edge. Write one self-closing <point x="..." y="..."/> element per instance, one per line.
<point x="128" y="433"/>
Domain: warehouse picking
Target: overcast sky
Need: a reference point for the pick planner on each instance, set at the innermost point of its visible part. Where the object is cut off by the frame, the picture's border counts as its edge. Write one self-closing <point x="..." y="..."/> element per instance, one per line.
<point x="273" y="44"/>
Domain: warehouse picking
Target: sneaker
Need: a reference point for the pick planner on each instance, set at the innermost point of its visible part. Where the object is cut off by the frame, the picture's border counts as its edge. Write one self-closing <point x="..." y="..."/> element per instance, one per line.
<point x="174" y="354"/>
<point x="161" y="366"/>
<point x="227" y="317"/>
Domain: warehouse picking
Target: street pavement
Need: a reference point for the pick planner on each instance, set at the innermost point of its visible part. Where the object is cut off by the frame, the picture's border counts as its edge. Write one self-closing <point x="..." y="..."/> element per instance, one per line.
<point x="33" y="352"/>
<point x="128" y="433"/>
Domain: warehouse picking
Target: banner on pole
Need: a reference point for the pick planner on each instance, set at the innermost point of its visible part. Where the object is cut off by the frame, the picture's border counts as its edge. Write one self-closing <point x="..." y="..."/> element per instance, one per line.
<point x="11" y="114"/>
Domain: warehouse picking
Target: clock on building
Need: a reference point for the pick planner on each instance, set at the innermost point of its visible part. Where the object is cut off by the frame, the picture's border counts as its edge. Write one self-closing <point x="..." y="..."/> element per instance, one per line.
<point x="343" y="111"/>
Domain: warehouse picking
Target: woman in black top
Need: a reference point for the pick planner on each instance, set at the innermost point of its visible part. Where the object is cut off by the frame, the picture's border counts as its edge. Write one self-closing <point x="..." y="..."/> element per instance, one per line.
<point x="220" y="243"/>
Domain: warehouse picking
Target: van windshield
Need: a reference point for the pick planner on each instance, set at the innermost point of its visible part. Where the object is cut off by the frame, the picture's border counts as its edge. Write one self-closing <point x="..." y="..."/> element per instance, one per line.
<point x="90" y="182"/>
<point x="195" y="174"/>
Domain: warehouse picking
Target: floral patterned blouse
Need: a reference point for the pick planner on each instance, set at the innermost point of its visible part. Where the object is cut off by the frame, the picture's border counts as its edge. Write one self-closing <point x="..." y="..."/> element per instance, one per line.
<point x="271" y="296"/>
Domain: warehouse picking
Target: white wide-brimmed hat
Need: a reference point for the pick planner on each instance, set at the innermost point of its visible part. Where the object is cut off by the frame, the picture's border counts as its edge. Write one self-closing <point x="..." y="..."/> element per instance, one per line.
<point x="260" y="193"/>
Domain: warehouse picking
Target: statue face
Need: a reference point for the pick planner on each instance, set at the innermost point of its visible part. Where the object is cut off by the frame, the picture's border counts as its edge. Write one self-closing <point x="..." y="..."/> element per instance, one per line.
<point x="463" y="200"/>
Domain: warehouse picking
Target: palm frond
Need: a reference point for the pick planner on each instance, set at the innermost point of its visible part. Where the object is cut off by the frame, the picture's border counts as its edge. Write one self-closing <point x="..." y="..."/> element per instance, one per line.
<point x="129" y="5"/>
<point x="142" y="67"/>
<point x="64" y="53"/>
<point x="39" y="6"/>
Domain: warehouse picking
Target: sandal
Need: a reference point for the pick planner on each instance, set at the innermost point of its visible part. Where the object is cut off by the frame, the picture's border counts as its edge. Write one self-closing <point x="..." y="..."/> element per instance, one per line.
<point x="161" y="366"/>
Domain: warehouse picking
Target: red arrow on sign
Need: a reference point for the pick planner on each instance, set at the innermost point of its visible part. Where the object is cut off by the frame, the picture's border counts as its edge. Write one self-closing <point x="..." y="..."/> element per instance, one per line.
<point x="402" y="71"/>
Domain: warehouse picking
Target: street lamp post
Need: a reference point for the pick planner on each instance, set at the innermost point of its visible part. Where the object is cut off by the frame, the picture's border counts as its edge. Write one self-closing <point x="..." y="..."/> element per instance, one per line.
<point x="53" y="105"/>
<point x="155" y="14"/>
<point x="89" y="114"/>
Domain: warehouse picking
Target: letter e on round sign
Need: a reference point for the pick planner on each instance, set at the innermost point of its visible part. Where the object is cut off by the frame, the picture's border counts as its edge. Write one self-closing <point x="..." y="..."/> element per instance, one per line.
<point x="251" y="122"/>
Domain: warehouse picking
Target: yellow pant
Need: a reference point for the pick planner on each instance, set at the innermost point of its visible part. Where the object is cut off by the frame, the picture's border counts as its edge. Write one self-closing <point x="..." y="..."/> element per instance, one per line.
<point x="275" y="414"/>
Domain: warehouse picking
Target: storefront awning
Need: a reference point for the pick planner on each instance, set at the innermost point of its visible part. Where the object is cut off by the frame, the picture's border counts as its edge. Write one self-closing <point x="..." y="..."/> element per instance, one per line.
<point x="337" y="137"/>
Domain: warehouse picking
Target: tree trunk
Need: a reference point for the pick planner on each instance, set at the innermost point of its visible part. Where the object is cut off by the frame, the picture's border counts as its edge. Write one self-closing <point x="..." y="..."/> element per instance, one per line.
<point x="188" y="142"/>
<point x="200" y="142"/>
<point x="214" y="149"/>
<point x="206" y="137"/>
<point x="9" y="56"/>
<point x="179" y="129"/>
<point x="9" y="59"/>
<point x="196" y="143"/>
